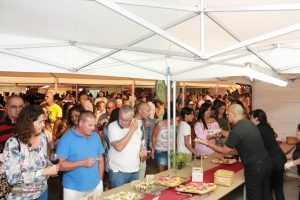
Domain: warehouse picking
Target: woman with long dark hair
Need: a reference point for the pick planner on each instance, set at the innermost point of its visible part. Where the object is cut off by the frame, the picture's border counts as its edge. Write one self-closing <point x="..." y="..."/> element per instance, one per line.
<point x="205" y="123"/>
<point x="27" y="166"/>
<point x="221" y="117"/>
<point x="259" y="118"/>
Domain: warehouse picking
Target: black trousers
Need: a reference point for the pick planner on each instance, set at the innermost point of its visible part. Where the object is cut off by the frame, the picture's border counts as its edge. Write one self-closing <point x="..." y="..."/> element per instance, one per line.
<point x="258" y="180"/>
<point x="278" y="176"/>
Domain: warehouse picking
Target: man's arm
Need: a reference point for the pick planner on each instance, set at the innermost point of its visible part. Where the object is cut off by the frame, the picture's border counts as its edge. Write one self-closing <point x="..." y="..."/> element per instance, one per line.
<point x="101" y="165"/>
<point x="119" y="145"/>
<point x="66" y="165"/>
<point x="222" y="150"/>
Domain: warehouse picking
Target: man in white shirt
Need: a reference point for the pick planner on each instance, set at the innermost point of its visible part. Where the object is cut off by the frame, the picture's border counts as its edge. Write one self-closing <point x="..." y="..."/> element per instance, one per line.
<point x="123" y="155"/>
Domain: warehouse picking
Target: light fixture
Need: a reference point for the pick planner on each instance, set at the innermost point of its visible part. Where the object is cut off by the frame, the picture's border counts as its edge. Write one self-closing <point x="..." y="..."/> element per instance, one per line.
<point x="252" y="74"/>
<point x="254" y="71"/>
<point x="45" y="86"/>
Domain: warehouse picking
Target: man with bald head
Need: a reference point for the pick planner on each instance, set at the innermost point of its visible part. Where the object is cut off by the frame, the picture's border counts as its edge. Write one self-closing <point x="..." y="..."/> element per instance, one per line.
<point x="146" y="124"/>
<point x="247" y="140"/>
<point x="13" y="107"/>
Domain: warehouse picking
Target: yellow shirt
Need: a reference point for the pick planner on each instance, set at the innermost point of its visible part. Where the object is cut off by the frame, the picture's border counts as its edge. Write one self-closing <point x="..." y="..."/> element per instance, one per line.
<point x="54" y="112"/>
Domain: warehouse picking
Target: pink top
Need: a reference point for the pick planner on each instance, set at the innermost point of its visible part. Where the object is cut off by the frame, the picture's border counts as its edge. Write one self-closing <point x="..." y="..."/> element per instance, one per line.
<point x="201" y="134"/>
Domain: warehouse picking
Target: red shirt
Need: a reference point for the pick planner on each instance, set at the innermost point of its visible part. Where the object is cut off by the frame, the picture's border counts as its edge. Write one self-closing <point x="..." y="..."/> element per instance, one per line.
<point x="7" y="128"/>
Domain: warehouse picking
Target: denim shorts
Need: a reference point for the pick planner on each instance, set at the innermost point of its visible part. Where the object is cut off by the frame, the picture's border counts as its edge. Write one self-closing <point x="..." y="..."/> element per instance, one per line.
<point x="161" y="158"/>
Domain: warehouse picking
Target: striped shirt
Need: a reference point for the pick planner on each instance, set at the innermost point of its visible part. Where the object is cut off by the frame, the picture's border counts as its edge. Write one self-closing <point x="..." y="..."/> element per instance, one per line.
<point x="7" y="128"/>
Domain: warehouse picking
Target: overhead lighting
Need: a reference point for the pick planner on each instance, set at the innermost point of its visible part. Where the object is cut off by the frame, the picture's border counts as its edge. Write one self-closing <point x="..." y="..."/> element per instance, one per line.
<point x="46" y="86"/>
<point x="252" y="74"/>
<point x="254" y="71"/>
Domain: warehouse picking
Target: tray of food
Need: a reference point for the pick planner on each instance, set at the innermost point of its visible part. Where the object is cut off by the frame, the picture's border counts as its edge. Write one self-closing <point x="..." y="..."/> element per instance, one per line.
<point x="170" y="181"/>
<point x="197" y="188"/>
<point x="227" y="161"/>
<point x="146" y="186"/>
<point x="124" y="196"/>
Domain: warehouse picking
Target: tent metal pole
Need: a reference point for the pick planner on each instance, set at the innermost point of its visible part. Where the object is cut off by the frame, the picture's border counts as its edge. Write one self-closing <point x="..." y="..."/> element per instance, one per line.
<point x="132" y="93"/>
<point x="124" y="61"/>
<point x="183" y="95"/>
<point x="158" y="5"/>
<point x="220" y="24"/>
<point x="140" y="39"/>
<point x="211" y="63"/>
<point x="174" y="116"/>
<point x="76" y="94"/>
<point x="146" y="24"/>
<point x="169" y="114"/>
<point x="28" y="57"/>
<point x="31" y="46"/>
<point x="270" y="7"/>
<point x="257" y="39"/>
<point x="55" y="85"/>
<point x="202" y="38"/>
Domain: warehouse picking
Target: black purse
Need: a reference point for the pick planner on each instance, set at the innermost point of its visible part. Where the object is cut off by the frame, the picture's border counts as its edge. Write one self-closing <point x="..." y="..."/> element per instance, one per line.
<point x="5" y="187"/>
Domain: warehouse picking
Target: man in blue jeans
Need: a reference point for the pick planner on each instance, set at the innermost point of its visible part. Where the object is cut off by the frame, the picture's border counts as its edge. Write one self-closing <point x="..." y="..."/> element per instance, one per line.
<point x="124" y="153"/>
<point x="80" y="152"/>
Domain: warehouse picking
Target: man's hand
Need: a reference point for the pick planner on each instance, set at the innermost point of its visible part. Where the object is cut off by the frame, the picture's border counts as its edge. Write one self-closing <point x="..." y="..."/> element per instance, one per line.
<point x="134" y="125"/>
<point x="289" y="165"/>
<point x="89" y="162"/>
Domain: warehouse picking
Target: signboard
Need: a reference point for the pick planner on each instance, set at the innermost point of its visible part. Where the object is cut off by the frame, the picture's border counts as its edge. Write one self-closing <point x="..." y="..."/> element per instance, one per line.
<point x="161" y="90"/>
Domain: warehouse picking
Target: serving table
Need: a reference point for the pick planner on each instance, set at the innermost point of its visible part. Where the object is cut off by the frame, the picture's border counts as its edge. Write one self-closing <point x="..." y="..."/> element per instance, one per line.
<point x="186" y="172"/>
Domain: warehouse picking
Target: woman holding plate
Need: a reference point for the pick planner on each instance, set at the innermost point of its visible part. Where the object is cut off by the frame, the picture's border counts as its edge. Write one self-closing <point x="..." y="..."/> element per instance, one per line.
<point x="206" y="128"/>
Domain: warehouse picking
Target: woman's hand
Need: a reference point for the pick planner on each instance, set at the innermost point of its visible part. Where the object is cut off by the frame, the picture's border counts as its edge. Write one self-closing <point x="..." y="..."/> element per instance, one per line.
<point x="51" y="170"/>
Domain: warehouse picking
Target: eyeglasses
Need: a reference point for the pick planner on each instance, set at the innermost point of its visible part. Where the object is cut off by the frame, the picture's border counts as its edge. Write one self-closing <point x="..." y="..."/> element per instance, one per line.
<point x="109" y="107"/>
<point x="125" y="120"/>
<point x="14" y="107"/>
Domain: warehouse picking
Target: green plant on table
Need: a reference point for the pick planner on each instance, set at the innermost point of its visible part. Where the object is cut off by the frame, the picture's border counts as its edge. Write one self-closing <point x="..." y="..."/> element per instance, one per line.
<point x="180" y="160"/>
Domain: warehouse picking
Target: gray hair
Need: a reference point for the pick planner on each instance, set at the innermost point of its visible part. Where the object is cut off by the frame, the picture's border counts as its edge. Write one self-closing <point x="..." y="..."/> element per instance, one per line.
<point x="127" y="109"/>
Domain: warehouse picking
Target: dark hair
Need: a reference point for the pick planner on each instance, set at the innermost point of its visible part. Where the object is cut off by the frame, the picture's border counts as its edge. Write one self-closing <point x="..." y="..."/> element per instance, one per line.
<point x="77" y="108"/>
<point x="298" y="127"/>
<point x="24" y="124"/>
<point x="65" y="109"/>
<point x="262" y="118"/>
<point x="204" y="107"/>
<point x="217" y="107"/>
<point x="114" y="115"/>
<point x="166" y="114"/>
<point x="186" y="111"/>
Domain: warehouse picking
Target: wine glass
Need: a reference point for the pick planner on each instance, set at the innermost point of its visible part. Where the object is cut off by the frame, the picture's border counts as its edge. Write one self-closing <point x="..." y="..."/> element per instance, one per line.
<point x="54" y="160"/>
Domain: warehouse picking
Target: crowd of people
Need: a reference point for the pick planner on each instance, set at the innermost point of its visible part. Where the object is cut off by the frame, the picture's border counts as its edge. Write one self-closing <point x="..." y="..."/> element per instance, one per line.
<point x="105" y="142"/>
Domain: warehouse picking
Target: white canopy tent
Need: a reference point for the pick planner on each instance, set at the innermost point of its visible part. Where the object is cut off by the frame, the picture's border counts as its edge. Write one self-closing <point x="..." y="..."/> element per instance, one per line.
<point x="188" y="40"/>
<point x="173" y="40"/>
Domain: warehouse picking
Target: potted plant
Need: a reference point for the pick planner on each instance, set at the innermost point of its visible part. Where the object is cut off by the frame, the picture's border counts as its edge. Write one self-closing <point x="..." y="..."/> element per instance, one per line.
<point x="180" y="160"/>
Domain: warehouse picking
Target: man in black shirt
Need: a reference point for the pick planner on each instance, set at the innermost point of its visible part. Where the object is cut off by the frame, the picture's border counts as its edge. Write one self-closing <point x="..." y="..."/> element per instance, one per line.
<point x="246" y="138"/>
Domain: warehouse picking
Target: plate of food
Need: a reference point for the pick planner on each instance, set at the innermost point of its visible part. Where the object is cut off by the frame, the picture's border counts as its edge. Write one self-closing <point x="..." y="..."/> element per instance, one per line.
<point x="146" y="186"/>
<point x="226" y="161"/>
<point x="197" y="188"/>
<point x="170" y="181"/>
<point x="124" y="196"/>
<point x="212" y="131"/>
